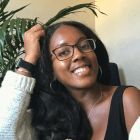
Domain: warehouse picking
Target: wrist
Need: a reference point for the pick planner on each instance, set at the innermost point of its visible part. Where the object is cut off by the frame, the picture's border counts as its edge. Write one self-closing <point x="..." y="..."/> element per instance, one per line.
<point x="31" y="59"/>
<point x="25" y="66"/>
<point x="23" y="71"/>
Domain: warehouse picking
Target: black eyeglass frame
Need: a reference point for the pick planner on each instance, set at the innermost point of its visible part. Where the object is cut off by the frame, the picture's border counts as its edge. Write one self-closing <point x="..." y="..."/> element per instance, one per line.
<point x="73" y="46"/>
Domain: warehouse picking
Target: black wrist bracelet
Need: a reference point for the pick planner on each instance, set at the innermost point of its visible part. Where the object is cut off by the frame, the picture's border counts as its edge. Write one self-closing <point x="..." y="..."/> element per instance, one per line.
<point x="24" y="64"/>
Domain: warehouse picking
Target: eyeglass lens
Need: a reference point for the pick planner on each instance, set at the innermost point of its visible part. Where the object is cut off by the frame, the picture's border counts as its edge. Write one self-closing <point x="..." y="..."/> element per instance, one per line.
<point x="66" y="51"/>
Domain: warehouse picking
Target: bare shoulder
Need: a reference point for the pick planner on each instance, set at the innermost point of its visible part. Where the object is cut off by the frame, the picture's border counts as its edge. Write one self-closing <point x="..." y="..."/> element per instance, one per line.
<point x="131" y="103"/>
<point x="131" y="96"/>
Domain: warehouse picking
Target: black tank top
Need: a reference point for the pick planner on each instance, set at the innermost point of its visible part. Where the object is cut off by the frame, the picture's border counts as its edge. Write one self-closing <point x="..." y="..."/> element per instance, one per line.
<point x="116" y="129"/>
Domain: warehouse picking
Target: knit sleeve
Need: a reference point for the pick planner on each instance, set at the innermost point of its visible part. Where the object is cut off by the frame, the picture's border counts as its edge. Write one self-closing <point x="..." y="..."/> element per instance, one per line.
<point x="14" y="100"/>
<point x="135" y="131"/>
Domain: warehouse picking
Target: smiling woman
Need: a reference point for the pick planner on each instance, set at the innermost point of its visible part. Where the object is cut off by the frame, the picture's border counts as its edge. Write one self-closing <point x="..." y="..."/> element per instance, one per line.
<point x="79" y="104"/>
<point x="85" y="70"/>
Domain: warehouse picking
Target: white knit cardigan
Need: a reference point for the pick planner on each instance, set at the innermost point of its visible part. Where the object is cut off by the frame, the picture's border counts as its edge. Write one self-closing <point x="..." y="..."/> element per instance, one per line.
<point x="14" y="99"/>
<point x="15" y="119"/>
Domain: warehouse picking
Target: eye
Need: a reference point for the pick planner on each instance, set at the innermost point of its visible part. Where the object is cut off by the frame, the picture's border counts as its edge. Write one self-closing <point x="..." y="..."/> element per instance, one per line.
<point x="85" y="45"/>
<point x="64" y="51"/>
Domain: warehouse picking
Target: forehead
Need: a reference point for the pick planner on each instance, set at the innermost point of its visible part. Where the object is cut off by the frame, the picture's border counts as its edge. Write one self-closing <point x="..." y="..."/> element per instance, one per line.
<point x="65" y="34"/>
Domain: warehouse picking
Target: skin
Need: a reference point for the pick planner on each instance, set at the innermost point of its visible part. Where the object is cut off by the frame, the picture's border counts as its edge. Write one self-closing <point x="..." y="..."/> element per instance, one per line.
<point x="83" y="86"/>
<point x="85" y="61"/>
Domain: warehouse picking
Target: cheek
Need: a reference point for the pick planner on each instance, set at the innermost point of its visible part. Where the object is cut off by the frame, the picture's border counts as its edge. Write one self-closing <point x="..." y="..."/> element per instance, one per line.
<point x="60" y="68"/>
<point x="93" y="58"/>
<point x="95" y="64"/>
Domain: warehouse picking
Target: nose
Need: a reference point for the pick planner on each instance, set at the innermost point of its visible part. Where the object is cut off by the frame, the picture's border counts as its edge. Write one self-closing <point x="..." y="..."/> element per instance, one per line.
<point x="77" y="54"/>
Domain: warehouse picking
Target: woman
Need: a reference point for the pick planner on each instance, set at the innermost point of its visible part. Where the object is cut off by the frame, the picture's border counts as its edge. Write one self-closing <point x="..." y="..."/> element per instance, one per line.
<point x="72" y="98"/>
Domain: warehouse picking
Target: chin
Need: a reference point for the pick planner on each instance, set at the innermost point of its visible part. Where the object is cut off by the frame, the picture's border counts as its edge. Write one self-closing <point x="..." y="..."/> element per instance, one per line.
<point x="84" y="84"/>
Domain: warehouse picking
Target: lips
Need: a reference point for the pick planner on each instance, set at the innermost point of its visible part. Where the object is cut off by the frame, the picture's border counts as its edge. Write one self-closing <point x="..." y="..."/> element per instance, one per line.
<point x="81" y="70"/>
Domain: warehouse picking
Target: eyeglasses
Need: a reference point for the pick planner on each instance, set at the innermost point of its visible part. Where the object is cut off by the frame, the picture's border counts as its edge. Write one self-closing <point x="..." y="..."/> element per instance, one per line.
<point x="66" y="51"/>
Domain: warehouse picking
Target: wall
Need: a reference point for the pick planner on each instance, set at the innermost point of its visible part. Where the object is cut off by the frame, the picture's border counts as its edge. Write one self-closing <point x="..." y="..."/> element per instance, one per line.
<point x="45" y="9"/>
<point x="120" y="31"/>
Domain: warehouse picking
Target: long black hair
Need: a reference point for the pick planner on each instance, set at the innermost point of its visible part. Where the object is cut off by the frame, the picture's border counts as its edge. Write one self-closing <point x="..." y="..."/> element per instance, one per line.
<point x="56" y="115"/>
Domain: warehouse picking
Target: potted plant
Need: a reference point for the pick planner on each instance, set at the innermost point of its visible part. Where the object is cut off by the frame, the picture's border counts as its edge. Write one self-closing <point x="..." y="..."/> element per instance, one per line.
<point x="12" y="30"/>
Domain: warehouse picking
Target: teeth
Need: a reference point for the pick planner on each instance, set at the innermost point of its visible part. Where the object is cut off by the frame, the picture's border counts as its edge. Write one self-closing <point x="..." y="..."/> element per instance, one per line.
<point x="80" y="70"/>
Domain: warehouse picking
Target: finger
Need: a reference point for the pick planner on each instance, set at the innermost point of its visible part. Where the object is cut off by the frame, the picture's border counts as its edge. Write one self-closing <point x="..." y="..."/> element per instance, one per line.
<point x="34" y="32"/>
<point x="36" y="27"/>
<point x="39" y="33"/>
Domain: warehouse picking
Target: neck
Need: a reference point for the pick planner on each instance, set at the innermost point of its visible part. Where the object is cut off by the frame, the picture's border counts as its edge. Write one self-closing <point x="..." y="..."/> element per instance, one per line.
<point x="87" y="97"/>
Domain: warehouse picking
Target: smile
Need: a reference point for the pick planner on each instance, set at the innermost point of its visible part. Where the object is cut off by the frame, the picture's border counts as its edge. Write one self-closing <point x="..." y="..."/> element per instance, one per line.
<point x="81" y="71"/>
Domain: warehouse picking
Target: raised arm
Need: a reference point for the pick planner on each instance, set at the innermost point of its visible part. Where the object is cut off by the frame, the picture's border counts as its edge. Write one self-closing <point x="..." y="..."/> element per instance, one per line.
<point x="16" y="90"/>
<point x="32" y="47"/>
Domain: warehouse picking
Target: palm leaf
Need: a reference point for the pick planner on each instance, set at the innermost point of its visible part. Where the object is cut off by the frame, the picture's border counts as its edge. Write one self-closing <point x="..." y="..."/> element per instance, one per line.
<point x="11" y="41"/>
<point x="7" y="15"/>
<point x="73" y="9"/>
<point x="3" y="4"/>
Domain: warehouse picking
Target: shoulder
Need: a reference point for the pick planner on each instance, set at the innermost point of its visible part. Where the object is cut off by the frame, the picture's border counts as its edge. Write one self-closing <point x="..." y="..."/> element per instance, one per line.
<point x="131" y="98"/>
<point x="131" y="103"/>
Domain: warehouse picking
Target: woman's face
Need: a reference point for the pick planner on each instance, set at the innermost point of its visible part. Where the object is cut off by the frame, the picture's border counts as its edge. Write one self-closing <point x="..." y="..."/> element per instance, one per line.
<point x="81" y="70"/>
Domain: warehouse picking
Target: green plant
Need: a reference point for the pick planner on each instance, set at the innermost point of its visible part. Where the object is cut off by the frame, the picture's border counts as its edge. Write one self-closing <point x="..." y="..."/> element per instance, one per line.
<point x="12" y="30"/>
<point x="11" y="37"/>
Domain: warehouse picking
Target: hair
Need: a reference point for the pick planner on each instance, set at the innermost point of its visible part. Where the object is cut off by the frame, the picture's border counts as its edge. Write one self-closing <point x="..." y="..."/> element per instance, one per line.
<point x="56" y="115"/>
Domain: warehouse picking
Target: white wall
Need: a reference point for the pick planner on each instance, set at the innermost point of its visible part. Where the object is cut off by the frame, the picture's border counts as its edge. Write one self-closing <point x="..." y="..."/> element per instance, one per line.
<point x="120" y="31"/>
<point x="45" y="9"/>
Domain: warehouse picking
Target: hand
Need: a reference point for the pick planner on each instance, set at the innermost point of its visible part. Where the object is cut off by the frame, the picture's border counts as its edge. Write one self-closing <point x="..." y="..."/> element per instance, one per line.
<point x="31" y="43"/>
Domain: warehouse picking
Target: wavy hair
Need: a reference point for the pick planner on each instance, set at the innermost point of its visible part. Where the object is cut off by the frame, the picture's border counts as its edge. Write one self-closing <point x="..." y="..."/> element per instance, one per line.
<point x="56" y="115"/>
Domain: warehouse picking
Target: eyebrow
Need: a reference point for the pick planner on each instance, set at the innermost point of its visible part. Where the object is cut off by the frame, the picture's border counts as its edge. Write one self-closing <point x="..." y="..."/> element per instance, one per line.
<point x="65" y="43"/>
